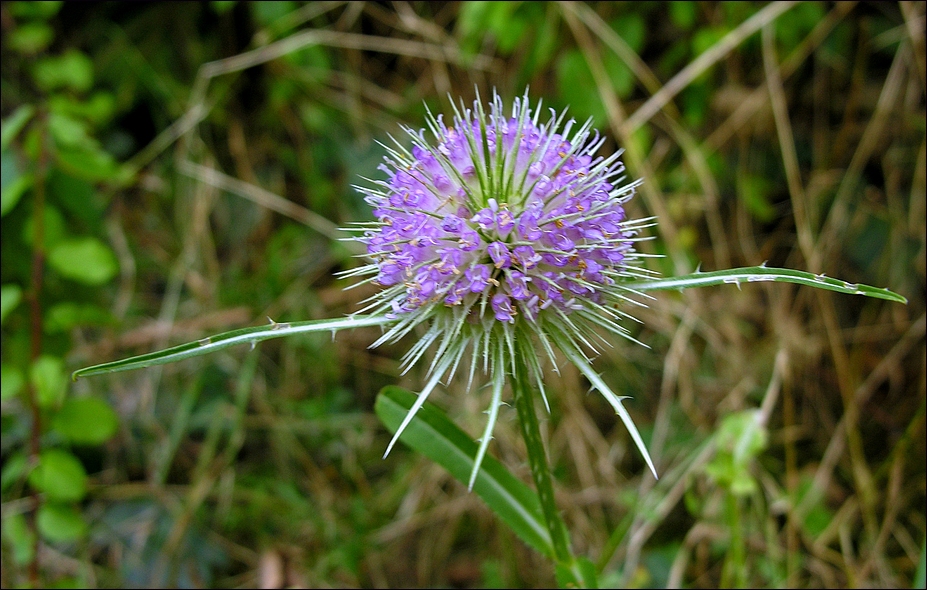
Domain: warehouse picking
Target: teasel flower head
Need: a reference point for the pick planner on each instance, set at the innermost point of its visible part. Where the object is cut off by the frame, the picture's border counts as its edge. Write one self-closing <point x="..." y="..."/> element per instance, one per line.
<point x="507" y="237"/>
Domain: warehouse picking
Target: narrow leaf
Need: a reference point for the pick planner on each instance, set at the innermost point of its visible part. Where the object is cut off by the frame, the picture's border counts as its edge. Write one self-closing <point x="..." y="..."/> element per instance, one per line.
<point x="756" y="274"/>
<point x="226" y="339"/>
<point x="432" y="434"/>
<point x="586" y="369"/>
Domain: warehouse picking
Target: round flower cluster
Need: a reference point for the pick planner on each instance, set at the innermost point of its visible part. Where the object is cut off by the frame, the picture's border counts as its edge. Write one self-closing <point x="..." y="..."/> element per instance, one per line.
<point x="501" y="212"/>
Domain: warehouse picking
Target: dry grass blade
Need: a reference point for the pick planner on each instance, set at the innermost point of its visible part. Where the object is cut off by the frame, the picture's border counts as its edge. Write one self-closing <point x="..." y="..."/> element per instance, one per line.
<point x="707" y="59"/>
<point x="266" y="199"/>
<point x="787" y="143"/>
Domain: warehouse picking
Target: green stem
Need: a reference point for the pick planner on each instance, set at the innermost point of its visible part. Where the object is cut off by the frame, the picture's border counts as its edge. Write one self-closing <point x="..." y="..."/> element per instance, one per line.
<point x="537" y="459"/>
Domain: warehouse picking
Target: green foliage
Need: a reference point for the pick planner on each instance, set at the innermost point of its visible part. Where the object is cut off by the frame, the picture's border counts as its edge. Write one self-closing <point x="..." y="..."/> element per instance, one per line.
<point x="49" y="143"/>
<point x="86" y="260"/>
<point x="85" y="421"/>
<point x="61" y="522"/>
<point x="60" y="476"/>
<point x="48" y="378"/>
<point x="436" y="437"/>
<point x="739" y="440"/>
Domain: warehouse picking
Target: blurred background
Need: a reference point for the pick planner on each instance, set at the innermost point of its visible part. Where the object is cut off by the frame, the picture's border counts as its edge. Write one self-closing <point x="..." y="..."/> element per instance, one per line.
<point x="175" y="170"/>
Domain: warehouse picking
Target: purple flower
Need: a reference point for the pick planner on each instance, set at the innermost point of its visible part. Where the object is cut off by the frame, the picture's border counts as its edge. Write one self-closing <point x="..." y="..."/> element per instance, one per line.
<point x="502" y="226"/>
<point x="478" y="277"/>
<point x="500" y="254"/>
<point x="503" y="215"/>
<point x="502" y="307"/>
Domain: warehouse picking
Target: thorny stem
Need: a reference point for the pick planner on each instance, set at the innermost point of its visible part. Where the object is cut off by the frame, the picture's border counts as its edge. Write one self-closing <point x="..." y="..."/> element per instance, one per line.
<point x="540" y="471"/>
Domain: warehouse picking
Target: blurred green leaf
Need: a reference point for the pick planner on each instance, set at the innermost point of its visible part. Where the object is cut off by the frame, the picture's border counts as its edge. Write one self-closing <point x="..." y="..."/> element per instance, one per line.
<point x="78" y="197"/>
<point x="12" y="193"/>
<point x="98" y="109"/>
<point x="86" y="260"/>
<point x="11" y="381"/>
<point x="567" y="578"/>
<point x="705" y="38"/>
<point x="13" y="124"/>
<point x="60" y="475"/>
<point x="753" y="191"/>
<point x="10" y="296"/>
<point x="14" y="467"/>
<point x="222" y="6"/>
<point x="801" y="20"/>
<point x="471" y="24"/>
<point x="53" y="228"/>
<point x="35" y="10"/>
<point x="683" y="14"/>
<point x="432" y="434"/>
<point x="266" y="13"/>
<point x="632" y="29"/>
<point x="21" y="539"/>
<point x="68" y="131"/>
<point x="817" y="516"/>
<point x="739" y="440"/>
<point x="545" y="42"/>
<point x="13" y="184"/>
<point x="47" y="376"/>
<point x="91" y="163"/>
<point x="573" y="83"/>
<point x="72" y="70"/>
<point x="86" y="421"/>
<point x="60" y="522"/>
<point x="61" y="317"/>
<point x="30" y="38"/>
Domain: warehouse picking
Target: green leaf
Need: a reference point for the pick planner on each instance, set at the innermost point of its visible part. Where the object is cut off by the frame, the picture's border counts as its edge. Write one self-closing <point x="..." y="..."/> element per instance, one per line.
<point x="53" y="228"/>
<point x="72" y="70"/>
<point x="17" y="533"/>
<point x="86" y="421"/>
<point x="13" y="183"/>
<point x="30" y="38"/>
<point x="11" y="382"/>
<point x="14" y="124"/>
<point x="68" y="131"/>
<point x="13" y="192"/>
<point x="60" y="522"/>
<point x="682" y="14"/>
<point x="60" y="475"/>
<point x="48" y="378"/>
<point x="753" y="191"/>
<point x="64" y="316"/>
<point x="86" y="260"/>
<point x="14" y="467"/>
<point x="632" y="29"/>
<point x="756" y="274"/>
<point x="93" y="163"/>
<point x="222" y="6"/>
<point x="233" y="338"/>
<point x="581" y="574"/>
<point x="817" y="516"/>
<point x="97" y="109"/>
<point x="35" y="10"/>
<point x="266" y="13"/>
<point x="431" y="433"/>
<point x="739" y="439"/>
<point x="10" y="296"/>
